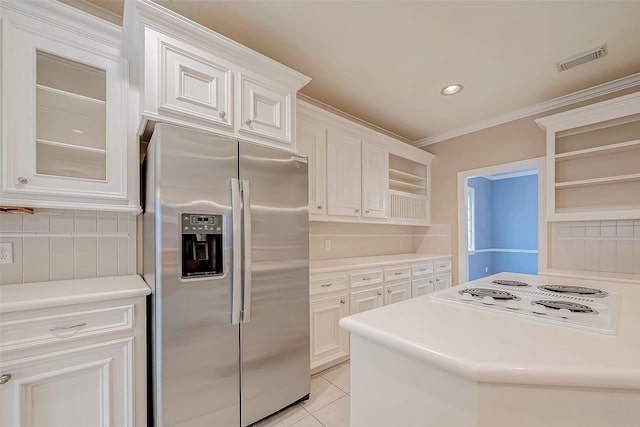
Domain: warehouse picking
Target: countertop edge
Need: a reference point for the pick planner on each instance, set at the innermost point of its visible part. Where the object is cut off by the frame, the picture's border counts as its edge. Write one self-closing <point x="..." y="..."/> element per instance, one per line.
<point x="504" y="374"/>
<point x="68" y="292"/>
<point x="373" y="261"/>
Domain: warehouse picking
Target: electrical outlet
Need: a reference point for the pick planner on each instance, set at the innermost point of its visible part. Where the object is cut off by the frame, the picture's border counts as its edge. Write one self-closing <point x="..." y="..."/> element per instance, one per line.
<point x="486" y="269"/>
<point x="327" y="245"/>
<point x="6" y="253"/>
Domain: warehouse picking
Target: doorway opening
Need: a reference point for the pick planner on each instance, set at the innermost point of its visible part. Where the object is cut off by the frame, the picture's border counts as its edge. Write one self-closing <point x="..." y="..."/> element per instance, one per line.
<point x="500" y="226"/>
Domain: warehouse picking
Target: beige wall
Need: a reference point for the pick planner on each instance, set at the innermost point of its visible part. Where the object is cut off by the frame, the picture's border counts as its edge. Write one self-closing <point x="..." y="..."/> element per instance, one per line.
<point x="517" y="140"/>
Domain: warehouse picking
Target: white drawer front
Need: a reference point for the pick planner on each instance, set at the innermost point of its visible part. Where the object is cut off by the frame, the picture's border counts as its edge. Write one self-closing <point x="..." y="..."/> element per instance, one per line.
<point x="366" y="278"/>
<point x="422" y="269"/>
<point x="397" y="273"/>
<point x="43" y="330"/>
<point x="441" y="266"/>
<point x="327" y="284"/>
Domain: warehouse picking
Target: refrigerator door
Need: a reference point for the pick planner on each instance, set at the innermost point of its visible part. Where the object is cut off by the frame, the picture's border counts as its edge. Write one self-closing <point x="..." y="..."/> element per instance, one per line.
<point x="195" y="345"/>
<point x="275" y="332"/>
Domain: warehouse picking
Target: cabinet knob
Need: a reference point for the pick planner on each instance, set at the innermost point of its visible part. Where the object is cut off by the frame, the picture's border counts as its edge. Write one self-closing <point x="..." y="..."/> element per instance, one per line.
<point x="379" y="293"/>
<point x="357" y="210"/>
<point x="4" y="378"/>
<point x="367" y="211"/>
<point x="223" y="114"/>
<point x="326" y="285"/>
<point x="341" y="301"/>
<point x="389" y="291"/>
<point x="247" y="122"/>
<point x="319" y="206"/>
<point x="22" y="180"/>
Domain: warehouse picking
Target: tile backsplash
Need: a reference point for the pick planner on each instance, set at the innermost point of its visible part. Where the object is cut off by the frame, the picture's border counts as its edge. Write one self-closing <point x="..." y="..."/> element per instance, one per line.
<point x="56" y="244"/>
<point x="605" y="246"/>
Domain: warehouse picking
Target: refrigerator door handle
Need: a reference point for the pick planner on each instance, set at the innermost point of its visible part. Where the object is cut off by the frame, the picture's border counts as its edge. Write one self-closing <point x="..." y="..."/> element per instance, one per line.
<point x="236" y="275"/>
<point x="246" y="219"/>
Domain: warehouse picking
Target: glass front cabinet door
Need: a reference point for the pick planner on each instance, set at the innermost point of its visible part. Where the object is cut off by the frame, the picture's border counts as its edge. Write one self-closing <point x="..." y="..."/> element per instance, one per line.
<point x="65" y="117"/>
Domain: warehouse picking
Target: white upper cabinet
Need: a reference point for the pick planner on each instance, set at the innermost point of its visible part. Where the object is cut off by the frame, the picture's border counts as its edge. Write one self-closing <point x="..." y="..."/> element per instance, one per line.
<point x="66" y="141"/>
<point x="311" y="141"/>
<point x="343" y="173"/>
<point x="193" y="76"/>
<point x="369" y="176"/>
<point x="593" y="161"/>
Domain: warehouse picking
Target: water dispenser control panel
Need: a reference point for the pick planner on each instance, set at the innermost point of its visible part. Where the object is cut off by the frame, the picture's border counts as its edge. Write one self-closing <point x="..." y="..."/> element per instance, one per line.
<point x="201" y="250"/>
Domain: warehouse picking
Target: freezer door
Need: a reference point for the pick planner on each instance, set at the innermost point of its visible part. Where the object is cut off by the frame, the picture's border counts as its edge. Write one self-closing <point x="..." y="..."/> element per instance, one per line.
<point x="195" y="348"/>
<point x="275" y="331"/>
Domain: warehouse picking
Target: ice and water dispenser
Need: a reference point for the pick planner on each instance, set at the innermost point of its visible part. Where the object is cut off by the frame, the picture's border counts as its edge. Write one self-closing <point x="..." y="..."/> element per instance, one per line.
<point x="201" y="245"/>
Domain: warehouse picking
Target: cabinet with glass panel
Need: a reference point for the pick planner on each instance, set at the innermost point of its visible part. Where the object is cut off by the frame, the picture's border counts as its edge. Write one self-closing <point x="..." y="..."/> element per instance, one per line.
<point x="66" y="138"/>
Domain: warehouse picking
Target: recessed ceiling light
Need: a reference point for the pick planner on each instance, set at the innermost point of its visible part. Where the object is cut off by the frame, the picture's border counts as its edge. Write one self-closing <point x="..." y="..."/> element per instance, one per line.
<point x="451" y="89"/>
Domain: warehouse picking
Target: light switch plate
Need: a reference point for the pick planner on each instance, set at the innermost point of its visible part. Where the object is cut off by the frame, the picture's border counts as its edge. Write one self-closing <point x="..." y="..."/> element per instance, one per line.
<point x="6" y="253"/>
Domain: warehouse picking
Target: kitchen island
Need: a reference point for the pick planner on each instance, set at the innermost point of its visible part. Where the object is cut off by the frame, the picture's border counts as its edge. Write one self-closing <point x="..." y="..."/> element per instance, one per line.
<point x="425" y="362"/>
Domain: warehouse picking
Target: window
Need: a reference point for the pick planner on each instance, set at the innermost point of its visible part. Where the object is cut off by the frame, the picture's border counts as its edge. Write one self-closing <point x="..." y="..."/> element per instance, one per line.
<point x="471" y="219"/>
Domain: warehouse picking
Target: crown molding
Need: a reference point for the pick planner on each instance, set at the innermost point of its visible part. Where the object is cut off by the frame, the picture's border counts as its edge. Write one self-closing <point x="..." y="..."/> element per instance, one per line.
<point x="563" y="101"/>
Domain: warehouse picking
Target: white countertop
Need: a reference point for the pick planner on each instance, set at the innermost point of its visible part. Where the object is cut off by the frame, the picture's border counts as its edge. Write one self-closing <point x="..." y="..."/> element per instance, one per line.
<point x="28" y="296"/>
<point x="485" y="346"/>
<point x="328" y="265"/>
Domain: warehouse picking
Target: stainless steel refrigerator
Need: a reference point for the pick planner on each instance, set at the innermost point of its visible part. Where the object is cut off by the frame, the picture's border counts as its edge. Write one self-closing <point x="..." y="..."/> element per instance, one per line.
<point x="226" y="253"/>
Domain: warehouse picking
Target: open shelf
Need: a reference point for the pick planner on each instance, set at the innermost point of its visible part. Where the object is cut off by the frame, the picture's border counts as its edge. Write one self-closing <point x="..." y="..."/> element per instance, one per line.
<point x="596" y="181"/>
<point x="408" y="176"/>
<point x="405" y="176"/>
<point x="403" y="185"/>
<point x="597" y="151"/>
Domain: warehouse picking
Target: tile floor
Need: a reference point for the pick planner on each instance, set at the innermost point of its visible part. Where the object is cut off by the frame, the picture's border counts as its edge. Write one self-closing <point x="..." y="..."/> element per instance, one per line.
<point x="328" y="405"/>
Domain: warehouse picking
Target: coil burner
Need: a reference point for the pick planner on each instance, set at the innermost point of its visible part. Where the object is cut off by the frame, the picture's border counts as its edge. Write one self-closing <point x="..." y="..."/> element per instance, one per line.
<point x="574" y="290"/>
<point x="567" y="305"/>
<point x="493" y="293"/>
<point x="509" y="282"/>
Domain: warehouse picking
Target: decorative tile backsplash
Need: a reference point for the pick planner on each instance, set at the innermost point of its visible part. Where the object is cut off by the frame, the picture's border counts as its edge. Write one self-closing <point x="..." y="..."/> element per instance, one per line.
<point x="55" y="244"/>
<point x="605" y="246"/>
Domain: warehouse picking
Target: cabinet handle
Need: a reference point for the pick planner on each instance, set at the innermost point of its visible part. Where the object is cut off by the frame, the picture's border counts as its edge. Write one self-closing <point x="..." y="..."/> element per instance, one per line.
<point x="319" y="206"/>
<point x="4" y="378"/>
<point x="341" y="301"/>
<point x="223" y="114"/>
<point x="397" y="273"/>
<point x="357" y="210"/>
<point x="366" y="278"/>
<point x="22" y="180"/>
<point x="437" y="280"/>
<point x="66" y="328"/>
<point x="326" y="285"/>
<point x="247" y="122"/>
<point x="431" y="281"/>
<point x="389" y="291"/>
<point x="367" y="211"/>
<point x="379" y="293"/>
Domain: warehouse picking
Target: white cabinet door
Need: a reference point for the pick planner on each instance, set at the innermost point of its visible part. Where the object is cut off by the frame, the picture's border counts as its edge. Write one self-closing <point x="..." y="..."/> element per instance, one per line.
<point x="422" y="286"/>
<point x="328" y="340"/>
<point x="265" y="109"/>
<point x="194" y="85"/>
<point x="375" y="181"/>
<point x="86" y="386"/>
<point x="366" y="300"/>
<point x="397" y="292"/>
<point x="443" y="281"/>
<point x="343" y="173"/>
<point x="66" y="129"/>
<point x="311" y="141"/>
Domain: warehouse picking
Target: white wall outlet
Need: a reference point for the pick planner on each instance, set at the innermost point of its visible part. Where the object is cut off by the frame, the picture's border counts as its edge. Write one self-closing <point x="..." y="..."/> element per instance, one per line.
<point x="486" y="269"/>
<point x="6" y="253"/>
<point x="327" y="245"/>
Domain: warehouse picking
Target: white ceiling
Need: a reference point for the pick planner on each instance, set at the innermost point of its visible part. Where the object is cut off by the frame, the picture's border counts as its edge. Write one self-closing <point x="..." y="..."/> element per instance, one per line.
<point x="386" y="61"/>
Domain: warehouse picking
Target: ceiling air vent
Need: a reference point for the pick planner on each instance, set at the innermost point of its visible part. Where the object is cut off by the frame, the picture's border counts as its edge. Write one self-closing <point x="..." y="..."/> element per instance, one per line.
<point x="581" y="58"/>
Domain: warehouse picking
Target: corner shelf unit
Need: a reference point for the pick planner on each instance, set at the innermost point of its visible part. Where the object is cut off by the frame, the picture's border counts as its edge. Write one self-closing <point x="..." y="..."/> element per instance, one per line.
<point x="593" y="161"/>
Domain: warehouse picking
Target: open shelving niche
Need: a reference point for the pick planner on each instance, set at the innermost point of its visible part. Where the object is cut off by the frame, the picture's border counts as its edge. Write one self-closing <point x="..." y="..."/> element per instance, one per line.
<point x="595" y="165"/>
<point x="408" y="189"/>
<point x="71" y="118"/>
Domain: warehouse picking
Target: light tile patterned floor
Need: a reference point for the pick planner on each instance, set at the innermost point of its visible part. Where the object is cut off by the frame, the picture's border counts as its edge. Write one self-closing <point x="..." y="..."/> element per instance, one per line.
<point x="328" y="405"/>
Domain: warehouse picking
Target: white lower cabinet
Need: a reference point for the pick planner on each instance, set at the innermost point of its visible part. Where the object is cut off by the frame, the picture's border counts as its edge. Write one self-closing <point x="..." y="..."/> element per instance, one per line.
<point x="328" y="340"/>
<point x="367" y="299"/>
<point x="79" y="364"/>
<point x="422" y="286"/>
<point x="85" y="386"/>
<point x="397" y="292"/>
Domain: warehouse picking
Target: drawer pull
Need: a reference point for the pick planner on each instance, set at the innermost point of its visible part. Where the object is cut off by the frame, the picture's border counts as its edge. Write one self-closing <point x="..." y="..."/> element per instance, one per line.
<point x="66" y="328"/>
<point x="379" y="293"/>
<point x="366" y="278"/>
<point x="423" y="269"/>
<point x="397" y="273"/>
<point x="4" y="378"/>
<point x="341" y="301"/>
<point x="326" y="285"/>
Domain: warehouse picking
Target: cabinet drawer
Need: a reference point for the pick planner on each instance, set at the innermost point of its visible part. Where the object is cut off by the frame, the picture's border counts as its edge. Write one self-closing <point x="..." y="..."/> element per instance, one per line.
<point x="422" y="269"/>
<point x="441" y="266"/>
<point x="327" y="284"/>
<point x="44" y="330"/>
<point x="366" y="278"/>
<point x="397" y="273"/>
